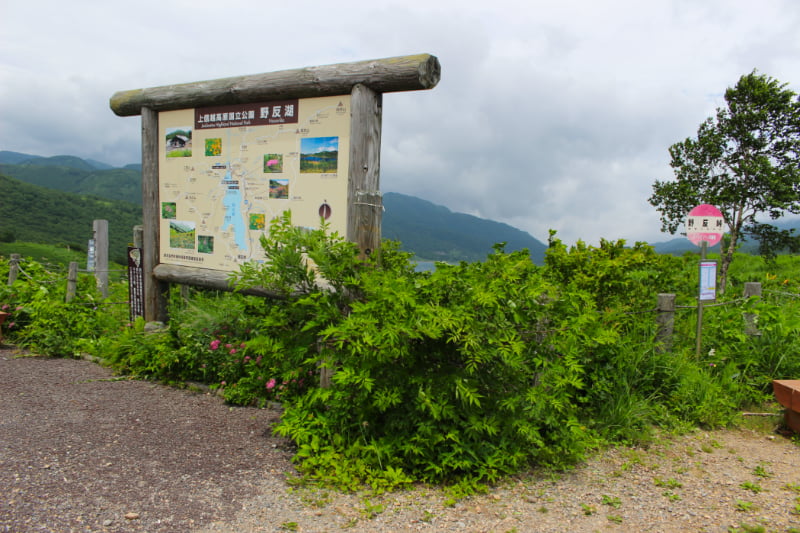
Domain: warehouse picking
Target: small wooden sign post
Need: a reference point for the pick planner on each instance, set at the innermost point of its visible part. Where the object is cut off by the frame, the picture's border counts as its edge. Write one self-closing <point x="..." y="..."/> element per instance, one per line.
<point x="704" y="227"/>
<point x="187" y="133"/>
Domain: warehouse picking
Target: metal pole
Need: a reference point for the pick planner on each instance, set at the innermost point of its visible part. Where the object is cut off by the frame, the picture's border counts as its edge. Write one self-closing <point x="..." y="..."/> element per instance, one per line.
<point x="703" y="250"/>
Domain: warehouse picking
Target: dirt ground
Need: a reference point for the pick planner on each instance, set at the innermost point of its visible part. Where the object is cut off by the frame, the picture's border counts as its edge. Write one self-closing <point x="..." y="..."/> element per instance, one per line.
<point x="81" y="449"/>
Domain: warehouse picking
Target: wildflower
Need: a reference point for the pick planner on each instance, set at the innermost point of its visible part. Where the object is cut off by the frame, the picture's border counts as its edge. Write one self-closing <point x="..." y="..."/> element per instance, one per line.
<point x="223" y="383"/>
<point x="271" y="383"/>
<point x="5" y="306"/>
<point x="229" y="345"/>
<point x="246" y="358"/>
<point x="242" y="345"/>
<point x="233" y="350"/>
<point x="19" y="308"/>
<point x="11" y="325"/>
<point x="258" y="359"/>
<point x="215" y="344"/>
<point x="712" y="365"/>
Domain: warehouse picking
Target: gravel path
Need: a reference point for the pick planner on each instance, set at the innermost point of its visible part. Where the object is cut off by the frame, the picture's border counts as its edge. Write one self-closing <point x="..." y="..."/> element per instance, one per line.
<point x="83" y="451"/>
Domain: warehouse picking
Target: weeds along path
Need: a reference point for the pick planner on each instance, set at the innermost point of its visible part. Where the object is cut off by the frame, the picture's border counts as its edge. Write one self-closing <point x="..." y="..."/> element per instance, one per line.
<point x="83" y="451"/>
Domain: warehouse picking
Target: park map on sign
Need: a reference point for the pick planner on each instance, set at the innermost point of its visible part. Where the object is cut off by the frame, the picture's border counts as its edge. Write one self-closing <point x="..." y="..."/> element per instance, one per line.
<point x="225" y="172"/>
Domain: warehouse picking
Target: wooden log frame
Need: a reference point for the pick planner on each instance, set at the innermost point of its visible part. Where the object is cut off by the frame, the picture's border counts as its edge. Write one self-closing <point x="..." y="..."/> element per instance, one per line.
<point x="404" y="73"/>
<point x="365" y="81"/>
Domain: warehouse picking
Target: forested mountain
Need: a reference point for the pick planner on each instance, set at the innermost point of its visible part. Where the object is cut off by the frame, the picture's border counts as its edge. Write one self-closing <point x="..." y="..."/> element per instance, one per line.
<point x="434" y="232"/>
<point x="430" y="231"/>
<point x="36" y="214"/>
<point x="72" y="174"/>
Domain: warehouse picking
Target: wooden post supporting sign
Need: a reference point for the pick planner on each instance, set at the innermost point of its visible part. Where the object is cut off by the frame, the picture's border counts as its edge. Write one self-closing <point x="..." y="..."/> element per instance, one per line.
<point x="364" y="196"/>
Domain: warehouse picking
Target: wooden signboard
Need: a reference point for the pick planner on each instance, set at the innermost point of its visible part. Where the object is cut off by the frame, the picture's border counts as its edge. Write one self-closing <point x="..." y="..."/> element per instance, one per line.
<point x="221" y="158"/>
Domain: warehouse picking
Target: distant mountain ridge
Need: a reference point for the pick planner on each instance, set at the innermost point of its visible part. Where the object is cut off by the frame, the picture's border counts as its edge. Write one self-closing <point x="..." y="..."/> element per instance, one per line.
<point x="430" y="231"/>
<point x="75" y="175"/>
<point x="435" y="233"/>
<point x="17" y="158"/>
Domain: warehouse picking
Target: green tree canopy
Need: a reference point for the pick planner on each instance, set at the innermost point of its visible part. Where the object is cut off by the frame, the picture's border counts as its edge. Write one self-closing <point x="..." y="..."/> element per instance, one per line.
<point x="744" y="161"/>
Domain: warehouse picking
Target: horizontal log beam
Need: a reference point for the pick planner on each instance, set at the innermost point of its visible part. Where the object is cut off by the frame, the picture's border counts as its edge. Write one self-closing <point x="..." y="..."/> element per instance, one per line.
<point x="204" y="277"/>
<point x="404" y="73"/>
<point x="220" y="280"/>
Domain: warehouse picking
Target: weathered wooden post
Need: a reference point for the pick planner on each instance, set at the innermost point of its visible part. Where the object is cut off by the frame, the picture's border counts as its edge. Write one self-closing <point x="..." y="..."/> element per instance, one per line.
<point x="13" y="268"/>
<point x="72" y="281"/>
<point x="751" y="289"/>
<point x="100" y="231"/>
<point x="364" y="195"/>
<point x="665" y="321"/>
<point x="138" y="232"/>
<point x="155" y="301"/>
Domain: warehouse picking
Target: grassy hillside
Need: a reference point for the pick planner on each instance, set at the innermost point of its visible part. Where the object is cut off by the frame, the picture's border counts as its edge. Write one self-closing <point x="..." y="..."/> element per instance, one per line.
<point x="47" y="254"/>
<point x="35" y="214"/>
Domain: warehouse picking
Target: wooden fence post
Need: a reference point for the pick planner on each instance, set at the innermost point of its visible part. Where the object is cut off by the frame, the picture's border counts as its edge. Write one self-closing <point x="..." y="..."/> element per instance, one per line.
<point x="666" y="322"/>
<point x="138" y="236"/>
<point x="751" y="289"/>
<point x="72" y="281"/>
<point x="100" y="230"/>
<point x="13" y="268"/>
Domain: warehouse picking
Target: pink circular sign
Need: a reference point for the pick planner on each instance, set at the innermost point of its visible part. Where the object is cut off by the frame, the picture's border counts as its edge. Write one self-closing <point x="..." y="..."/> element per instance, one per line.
<point x="705" y="223"/>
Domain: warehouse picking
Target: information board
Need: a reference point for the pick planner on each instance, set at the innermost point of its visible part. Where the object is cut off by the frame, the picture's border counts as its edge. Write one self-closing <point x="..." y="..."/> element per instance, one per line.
<point x="708" y="280"/>
<point x="225" y="172"/>
<point x="135" y="282"/>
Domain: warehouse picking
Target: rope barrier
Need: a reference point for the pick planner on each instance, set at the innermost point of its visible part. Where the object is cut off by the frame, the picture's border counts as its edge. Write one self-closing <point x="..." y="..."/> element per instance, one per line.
<point x="791" y="295"/>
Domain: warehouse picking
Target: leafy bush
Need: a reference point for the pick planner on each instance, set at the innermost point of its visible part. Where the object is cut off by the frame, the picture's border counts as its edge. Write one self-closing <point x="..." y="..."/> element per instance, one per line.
<point x="41" y="319"/>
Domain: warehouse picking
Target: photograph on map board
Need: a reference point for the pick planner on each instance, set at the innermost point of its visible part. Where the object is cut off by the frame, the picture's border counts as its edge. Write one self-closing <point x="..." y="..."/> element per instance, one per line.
<point x="258" y="221"/>
<point x="205" y="244"/>
<point x="213" y="146"/>
<point x="179" y="141"/>
<point x="319" y="155"/>
<point x="279" y="189"/>
<point x="168" y="209"/>
<point x="181" y="234"/>
<point x="273" y="163"/>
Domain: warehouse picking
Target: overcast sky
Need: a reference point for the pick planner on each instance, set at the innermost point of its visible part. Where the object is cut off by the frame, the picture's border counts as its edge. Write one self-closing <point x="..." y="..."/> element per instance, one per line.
<point x="548" y="114"/>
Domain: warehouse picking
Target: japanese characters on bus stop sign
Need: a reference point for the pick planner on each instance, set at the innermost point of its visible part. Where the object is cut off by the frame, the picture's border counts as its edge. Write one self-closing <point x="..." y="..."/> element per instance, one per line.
<point x="705" y="223"/>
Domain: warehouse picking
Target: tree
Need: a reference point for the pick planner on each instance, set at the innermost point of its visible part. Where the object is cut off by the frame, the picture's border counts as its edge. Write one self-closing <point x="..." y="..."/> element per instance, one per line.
<point x="745" y="161"/>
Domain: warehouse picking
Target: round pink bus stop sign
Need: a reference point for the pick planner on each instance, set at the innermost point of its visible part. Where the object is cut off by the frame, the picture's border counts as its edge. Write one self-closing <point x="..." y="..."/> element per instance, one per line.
<point x="705" y="223"/>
